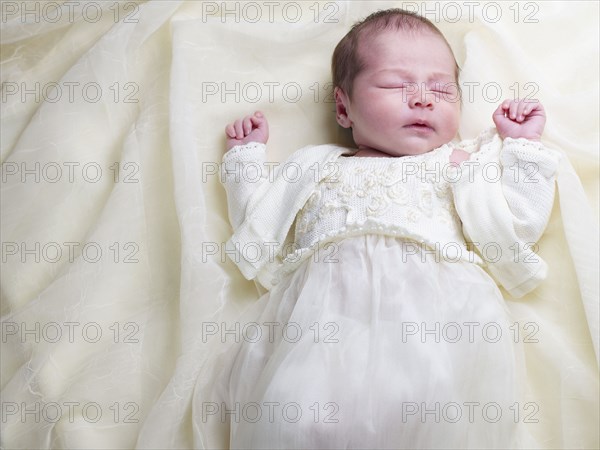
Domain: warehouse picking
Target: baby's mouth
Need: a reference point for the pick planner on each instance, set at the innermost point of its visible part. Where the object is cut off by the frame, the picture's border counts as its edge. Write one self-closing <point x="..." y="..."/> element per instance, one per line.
<point x="419" y="126"/>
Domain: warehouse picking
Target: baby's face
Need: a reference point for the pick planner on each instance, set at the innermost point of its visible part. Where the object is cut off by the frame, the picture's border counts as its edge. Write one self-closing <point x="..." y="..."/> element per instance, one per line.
<point x="405" y="102"/>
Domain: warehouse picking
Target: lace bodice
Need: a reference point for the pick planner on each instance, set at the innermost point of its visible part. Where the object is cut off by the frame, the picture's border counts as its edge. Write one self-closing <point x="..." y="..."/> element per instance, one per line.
<point x="407" y="197"/>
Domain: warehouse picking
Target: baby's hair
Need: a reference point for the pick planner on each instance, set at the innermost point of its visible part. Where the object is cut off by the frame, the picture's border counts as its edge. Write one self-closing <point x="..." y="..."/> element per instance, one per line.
<point x="346" y="63"/>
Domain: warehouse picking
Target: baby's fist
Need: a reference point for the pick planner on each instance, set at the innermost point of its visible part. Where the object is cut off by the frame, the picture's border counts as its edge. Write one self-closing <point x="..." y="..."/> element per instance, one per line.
<point x="253" y="128"/>
<point x="520" y="119"/>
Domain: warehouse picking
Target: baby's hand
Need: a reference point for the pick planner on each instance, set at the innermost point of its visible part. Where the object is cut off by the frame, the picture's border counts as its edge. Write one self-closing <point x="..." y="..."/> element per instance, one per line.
<point x="524" y="119"/>
<point x="249" y="129"/>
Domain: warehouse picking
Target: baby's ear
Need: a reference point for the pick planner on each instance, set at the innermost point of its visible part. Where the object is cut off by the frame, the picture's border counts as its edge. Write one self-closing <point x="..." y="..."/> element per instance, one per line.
<point x="341" y="112"/>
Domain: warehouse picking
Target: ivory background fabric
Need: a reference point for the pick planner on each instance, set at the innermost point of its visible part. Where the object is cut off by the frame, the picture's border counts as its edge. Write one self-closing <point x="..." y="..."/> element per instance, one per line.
<point x="104" y="348"/>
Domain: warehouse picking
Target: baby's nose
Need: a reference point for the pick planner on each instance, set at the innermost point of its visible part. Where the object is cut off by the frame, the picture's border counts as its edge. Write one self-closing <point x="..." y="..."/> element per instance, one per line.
<point x="420" y="100"/>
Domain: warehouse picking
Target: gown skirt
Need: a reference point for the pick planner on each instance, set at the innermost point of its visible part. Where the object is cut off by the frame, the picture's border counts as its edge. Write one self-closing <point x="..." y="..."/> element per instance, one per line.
<point x="374" y="342"/>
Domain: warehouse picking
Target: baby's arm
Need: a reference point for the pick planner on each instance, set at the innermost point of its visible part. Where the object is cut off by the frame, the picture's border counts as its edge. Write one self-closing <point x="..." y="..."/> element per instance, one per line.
<point x="528" y="167"/>
<point x="511" y="215"/>
<point x="245" y="156"/>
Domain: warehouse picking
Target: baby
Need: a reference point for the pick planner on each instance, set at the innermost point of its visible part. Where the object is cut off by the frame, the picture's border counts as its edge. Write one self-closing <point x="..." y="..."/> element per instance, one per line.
<point x="396" y="87"/>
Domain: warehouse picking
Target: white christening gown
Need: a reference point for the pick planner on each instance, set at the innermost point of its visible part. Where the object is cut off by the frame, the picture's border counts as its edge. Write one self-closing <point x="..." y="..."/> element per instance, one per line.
<point x="387" y="334"/>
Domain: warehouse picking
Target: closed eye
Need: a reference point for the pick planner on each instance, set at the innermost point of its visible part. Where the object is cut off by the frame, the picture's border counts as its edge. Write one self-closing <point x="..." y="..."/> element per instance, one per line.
<point x="399" y="85"/>
<point x="447" y="88"/>
<point x="395" y="86"/>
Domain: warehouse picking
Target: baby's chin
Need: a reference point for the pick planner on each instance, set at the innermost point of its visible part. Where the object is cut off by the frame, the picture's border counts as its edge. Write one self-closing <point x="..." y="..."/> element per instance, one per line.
<point x="403" y="144"/>
<point x="412" y="146"/>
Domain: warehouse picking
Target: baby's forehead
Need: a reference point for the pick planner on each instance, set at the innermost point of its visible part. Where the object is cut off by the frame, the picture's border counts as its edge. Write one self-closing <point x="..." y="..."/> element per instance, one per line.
<point x="374" y="35"/>
<point x="374" y="44"/>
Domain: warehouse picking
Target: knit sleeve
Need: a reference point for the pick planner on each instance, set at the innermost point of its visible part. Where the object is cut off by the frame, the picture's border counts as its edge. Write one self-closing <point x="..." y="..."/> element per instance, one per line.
<point x="504" y="203"/>
<point x="528" y="184"/>
<point x="243" y="172"/>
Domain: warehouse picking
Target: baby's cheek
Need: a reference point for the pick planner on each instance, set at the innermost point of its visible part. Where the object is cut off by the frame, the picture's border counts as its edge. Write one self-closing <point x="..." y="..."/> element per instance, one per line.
<point x="451" y="119"/>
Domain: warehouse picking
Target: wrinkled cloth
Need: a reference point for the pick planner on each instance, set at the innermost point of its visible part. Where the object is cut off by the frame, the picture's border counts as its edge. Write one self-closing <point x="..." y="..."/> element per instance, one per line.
<point x="161" y="283"/>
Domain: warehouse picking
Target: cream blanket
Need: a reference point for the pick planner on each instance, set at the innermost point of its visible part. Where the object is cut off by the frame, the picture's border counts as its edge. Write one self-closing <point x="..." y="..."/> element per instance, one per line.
<point x="113" y="216"/>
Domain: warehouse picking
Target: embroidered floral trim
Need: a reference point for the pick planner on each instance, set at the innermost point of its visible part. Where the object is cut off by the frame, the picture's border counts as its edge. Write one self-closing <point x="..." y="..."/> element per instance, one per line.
<point x="524" y="143"/>
<point x="381" y="187"/>
<point x="292" y="260"/>
<point x="235" y="152"/>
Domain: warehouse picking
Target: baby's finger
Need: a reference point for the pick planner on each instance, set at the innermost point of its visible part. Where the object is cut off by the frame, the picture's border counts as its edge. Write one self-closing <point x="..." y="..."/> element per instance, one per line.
<point x="257" y="121"/>
<point x="499" y="113"/>
<point x="247" y="126"/>
<point x="521" y="110"/>
<point x="239" y="132"/>
<point x="534" y="105"/>
<point x="513" y="109"/>
<point x="230" y="131"/>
